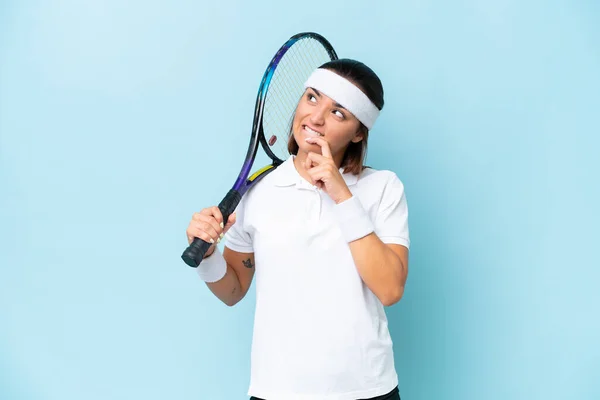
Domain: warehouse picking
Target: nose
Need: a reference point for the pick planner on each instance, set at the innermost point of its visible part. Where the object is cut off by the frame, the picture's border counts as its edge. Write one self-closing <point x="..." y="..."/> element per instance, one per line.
<point x="317" y="117"/>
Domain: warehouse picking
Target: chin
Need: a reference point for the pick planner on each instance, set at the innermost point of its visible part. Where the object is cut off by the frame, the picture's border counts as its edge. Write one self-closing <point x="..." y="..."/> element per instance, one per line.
<point x="299" y="137"/>
<point x="302" y="145"/>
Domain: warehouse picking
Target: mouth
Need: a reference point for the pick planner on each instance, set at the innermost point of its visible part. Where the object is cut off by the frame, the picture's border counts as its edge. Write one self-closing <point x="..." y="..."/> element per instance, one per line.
<point x="311" y="132"/>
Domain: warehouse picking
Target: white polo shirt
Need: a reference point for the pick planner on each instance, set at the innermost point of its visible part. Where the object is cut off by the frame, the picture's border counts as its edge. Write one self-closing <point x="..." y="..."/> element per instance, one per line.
<point x="319" y="332"/>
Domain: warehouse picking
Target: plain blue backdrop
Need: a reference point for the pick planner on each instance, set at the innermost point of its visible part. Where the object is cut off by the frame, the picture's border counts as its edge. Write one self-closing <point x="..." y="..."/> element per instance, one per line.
<point x="118" y="120"/>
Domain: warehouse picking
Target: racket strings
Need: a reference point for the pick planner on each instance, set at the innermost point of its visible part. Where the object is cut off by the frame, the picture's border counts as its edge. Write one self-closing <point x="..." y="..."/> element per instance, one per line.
<point x="286" y="89"/>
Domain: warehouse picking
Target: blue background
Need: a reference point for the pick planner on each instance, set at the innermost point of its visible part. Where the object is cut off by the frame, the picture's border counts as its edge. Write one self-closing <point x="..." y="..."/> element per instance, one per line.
<point x="118" y="120"/>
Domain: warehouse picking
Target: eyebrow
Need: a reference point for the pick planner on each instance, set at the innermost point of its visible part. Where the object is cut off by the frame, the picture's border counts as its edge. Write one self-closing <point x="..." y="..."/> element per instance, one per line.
<point x="338" y="105"/>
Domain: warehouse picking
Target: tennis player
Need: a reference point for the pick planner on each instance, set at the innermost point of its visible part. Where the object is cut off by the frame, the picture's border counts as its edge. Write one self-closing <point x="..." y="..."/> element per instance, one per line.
<point x="328" y="240"/>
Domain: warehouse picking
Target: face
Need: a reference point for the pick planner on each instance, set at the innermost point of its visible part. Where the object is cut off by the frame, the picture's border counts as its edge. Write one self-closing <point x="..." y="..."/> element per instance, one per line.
<point x="319" y="116"/>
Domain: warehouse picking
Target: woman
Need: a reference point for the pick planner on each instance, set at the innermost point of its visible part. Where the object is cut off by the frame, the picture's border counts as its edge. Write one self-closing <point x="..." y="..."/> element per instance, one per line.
<point x="329" y="238"/>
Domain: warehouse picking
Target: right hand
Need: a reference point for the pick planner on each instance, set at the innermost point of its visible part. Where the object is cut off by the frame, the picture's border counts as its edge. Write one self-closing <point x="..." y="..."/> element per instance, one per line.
<point x="208" y="226"/>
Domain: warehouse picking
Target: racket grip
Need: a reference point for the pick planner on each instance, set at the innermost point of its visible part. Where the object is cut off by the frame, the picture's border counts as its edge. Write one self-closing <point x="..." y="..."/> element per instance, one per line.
<point x="195" y="252"/>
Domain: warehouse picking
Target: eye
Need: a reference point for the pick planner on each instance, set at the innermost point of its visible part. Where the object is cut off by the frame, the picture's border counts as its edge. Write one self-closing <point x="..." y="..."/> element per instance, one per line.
<point x="339" y="114"/>
<point x="311" y="98"/>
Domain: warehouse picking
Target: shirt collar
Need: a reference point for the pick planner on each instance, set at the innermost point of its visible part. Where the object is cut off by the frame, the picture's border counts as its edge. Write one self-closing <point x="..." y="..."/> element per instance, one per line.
<point x="287" y="175"/>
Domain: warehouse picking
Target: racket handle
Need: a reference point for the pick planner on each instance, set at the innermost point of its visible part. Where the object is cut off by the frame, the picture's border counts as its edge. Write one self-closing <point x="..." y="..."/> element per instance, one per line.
<point x="195" y="252"/>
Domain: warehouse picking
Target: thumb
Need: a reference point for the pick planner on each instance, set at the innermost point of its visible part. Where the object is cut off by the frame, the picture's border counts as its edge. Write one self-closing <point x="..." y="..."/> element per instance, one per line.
<point x="230" y="222"/>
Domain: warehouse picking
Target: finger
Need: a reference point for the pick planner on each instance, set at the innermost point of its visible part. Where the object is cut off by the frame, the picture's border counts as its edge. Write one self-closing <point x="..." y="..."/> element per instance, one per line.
<point x="317" y="159"/>
<point x="200" y="235"/>
<point x="195" y="233"/>
<point x="324" y="175"/>
<point x="320" y="172"/>
<point x="210" y="228"/>
<point x="206" y="211"/>
<point x="198" y="216"/>
<point x="204" y="218"/>
<point x="212" y="211"/>
<point x="230" y="222"/>
<point x="204" y="236"/>
<point x="325" y="149"/>
<point x="217" y="214"/>
<point x="316" y="175"/>
<point x="307" y="163"/>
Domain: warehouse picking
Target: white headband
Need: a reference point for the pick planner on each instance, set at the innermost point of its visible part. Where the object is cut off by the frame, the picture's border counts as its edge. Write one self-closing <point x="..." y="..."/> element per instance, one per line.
<point x="344" y="92"/>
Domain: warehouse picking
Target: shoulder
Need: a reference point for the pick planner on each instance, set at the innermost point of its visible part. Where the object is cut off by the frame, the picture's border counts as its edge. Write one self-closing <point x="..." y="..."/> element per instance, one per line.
<point x="380" y="189"/>
<point x="374" y="179"/>
<point x="280" y="176"/>
<point x="260" y="191"/>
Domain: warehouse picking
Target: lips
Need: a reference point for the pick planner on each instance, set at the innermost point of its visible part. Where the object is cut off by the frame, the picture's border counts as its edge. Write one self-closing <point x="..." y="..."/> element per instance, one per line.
<point x="311" y="132"/>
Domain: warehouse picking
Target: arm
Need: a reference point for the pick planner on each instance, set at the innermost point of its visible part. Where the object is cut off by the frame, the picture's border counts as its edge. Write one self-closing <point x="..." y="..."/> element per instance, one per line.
<point x="235" y="284"/>
<point x="227" y="275"/>
<point x="383" y="267"/>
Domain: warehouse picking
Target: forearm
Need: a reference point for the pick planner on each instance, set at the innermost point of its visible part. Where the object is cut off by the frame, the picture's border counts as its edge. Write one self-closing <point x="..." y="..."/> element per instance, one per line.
<point x="220" y="277"/>
<point x="228" y="289"/>
<point x="380" y="268"/>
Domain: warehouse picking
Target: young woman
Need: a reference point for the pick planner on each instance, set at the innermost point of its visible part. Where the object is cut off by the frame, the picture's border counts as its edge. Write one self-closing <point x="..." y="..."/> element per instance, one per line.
<point x="328" y="241"/>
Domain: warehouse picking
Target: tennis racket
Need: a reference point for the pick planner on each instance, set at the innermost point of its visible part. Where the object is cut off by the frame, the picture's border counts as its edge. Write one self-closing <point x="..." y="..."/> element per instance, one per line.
<point x="281" y="88"/>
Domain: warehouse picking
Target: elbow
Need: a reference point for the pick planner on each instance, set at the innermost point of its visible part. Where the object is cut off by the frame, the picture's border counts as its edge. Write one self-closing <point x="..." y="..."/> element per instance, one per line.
<point x="394" y="289"/>
<point x="231" y="302"/>
<point x="392" y="296"/>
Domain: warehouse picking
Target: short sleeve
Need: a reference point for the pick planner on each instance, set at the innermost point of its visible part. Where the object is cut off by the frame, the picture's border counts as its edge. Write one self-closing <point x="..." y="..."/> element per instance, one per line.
<point x="237" y="237"/>
<point x="391" y="222"/>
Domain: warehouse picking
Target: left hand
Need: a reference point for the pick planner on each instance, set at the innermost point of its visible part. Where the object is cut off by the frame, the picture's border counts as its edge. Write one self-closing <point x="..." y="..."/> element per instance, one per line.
<point x="324" y="173"/>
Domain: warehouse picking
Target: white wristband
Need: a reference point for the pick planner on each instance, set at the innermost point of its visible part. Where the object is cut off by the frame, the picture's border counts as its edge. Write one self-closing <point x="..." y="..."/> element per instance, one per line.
<point x="353" y="220"/>
<point x="213" y="268"/>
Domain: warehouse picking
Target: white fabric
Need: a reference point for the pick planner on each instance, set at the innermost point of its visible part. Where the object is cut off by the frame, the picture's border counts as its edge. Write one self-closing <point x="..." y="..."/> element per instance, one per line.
<point x="319" y="332"/>
<point x="346" y="93"/>
<point x="352" y="219"/>
<point x="212" y="268"/>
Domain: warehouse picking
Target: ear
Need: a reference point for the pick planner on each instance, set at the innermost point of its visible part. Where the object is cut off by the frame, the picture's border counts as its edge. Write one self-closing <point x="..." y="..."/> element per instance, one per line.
<point x="358" y="137"/>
